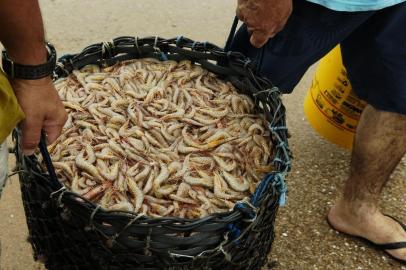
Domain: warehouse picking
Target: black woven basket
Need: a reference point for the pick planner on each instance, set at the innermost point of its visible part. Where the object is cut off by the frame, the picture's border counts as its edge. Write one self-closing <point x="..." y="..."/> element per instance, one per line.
<point x="69" y="232"/>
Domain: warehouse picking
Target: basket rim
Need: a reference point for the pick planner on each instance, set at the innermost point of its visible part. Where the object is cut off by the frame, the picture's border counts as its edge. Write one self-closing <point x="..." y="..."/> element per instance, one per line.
<point x="232" y="65"/>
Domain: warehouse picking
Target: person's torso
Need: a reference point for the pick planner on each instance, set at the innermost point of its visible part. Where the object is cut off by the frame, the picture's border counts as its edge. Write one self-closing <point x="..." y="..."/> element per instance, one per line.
<point x="356" y="5"/>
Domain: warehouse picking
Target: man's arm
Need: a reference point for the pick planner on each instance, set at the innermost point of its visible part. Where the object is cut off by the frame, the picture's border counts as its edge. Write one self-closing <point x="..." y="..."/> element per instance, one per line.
<point x="264" y="18"/>
<point x="22" y="34"/>
<point x="22" y="31"/>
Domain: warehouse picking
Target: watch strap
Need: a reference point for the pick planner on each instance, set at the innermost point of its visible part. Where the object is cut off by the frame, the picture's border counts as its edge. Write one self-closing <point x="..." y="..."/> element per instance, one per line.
<point x="29" y="72"/>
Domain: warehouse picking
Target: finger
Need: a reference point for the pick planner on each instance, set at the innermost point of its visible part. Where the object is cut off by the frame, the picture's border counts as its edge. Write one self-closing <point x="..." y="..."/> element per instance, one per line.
<point x="31" y="130"/>
<point x="54" y="130"/>
<point x="259" y="38"/>
<point x="52" y="133"/>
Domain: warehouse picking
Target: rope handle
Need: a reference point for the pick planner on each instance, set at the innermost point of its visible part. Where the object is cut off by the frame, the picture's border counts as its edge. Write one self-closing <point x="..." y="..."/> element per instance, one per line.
<point x="231" y="34"/>
<point x="258" y="59"/>
<point x="47" y="160"/>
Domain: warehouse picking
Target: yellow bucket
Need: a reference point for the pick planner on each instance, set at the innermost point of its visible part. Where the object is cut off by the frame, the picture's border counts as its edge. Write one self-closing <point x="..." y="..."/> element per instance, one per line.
<point x="331" y="107"/>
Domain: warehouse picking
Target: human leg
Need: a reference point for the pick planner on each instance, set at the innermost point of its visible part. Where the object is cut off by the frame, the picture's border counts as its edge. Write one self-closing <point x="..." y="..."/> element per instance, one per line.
<point x="374" y="56"/>
<point x="375" y="69"/>
<point x="380" y="144"/>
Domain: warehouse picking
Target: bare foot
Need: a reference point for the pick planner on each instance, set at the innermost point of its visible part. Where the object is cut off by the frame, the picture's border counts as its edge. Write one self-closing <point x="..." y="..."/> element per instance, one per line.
<point x="368" y="223"/>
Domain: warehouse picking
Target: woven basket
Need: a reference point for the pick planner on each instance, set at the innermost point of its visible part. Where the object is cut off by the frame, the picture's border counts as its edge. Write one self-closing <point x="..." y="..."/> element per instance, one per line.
<point x="68" y="232"/>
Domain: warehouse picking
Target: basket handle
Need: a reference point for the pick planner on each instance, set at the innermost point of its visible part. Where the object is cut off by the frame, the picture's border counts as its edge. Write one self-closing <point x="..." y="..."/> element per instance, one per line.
<point x="48" y="161"/>
<point x="230" y="38"/>
<point x="231" y="34"/>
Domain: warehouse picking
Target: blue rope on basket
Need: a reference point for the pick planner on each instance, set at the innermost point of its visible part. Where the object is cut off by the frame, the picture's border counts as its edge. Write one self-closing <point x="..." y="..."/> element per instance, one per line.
<point x="274" y="179"/>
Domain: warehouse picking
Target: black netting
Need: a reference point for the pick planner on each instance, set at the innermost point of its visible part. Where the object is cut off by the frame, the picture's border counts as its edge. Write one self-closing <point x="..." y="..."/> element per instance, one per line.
<point x="69" y="232"/>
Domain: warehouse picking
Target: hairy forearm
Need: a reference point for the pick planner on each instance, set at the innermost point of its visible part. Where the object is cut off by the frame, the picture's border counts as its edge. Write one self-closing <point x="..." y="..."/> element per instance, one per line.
<point x="22" y="31"/>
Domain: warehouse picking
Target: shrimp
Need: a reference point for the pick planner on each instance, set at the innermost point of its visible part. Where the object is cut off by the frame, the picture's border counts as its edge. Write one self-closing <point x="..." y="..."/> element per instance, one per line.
<point x="176" y="115"/>
<point x="137" y="193"/>
<point x="87" y="166"/>
<point x="161" y="178"/>
<point x="238" y="184"/>
<point x="182" y="199"/>
<point x="223" y="165"/>
<point x="143" y="174"/>
<point x="110" y="174"/>
<point x="94" y="192"/>
<point x="206" y="182"/>
<point x="214" y="113"/>
<point x="159" y="138"/>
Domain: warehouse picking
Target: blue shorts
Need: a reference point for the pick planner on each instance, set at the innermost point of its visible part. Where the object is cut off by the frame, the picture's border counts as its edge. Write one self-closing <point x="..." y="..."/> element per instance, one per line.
<point x="373" y="45"/>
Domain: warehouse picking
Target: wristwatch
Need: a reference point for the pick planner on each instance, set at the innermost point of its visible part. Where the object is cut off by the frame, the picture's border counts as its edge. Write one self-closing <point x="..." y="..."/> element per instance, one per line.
<point x="30" y="72"/>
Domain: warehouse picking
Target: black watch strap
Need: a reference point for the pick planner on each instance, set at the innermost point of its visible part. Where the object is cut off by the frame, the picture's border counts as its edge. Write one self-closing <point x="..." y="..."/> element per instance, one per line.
<point x="29" y="72"/>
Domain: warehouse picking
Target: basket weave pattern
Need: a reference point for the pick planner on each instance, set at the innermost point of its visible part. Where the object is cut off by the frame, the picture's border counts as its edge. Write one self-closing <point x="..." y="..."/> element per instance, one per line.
<point x="69" y="232"/>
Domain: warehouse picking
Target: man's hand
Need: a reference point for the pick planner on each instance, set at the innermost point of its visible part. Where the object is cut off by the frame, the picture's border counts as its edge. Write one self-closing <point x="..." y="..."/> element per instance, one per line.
<point x="43" y="110"/>
<point x="264" y="18"/>
<point x="22" y="34"/>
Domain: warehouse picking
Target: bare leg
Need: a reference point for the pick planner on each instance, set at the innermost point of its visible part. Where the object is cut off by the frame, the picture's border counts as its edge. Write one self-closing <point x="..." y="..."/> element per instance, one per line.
<point x="379" y="146"/>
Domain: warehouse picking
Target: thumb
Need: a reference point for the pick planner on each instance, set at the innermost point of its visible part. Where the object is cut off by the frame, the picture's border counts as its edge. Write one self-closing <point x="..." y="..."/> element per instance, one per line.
<point x="259" y="38"/>
<point x="31" y="130"/>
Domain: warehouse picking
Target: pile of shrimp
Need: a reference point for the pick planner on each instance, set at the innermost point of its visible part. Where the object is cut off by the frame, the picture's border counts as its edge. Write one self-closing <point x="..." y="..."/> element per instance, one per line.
<point x="159" y="138"/>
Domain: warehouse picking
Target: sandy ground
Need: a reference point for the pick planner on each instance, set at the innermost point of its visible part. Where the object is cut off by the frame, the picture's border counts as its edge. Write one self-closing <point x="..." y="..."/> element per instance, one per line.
<point x="303" y="239"/>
